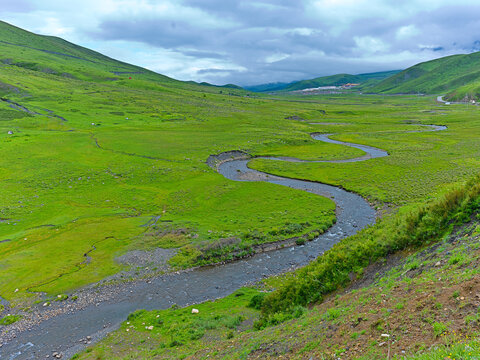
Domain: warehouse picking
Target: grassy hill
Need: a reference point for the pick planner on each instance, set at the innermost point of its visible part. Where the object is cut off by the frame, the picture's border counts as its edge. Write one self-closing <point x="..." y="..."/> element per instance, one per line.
<point x="55" y="56"/>
<point x="340" y="79"/>
<point x="457" y="75"/>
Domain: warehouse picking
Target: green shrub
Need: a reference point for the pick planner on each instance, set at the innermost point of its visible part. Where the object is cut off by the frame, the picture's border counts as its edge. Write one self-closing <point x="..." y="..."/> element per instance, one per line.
<point x="9" y="319"/>
<point x="439" y="329"/>
<point x="256" y="301"/>
<point x="300" y="241"/>
<point x="136" y="314"/>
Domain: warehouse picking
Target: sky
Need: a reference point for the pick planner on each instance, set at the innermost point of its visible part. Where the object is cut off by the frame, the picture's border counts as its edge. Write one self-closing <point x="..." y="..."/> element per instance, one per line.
<point x="248" y="42"/>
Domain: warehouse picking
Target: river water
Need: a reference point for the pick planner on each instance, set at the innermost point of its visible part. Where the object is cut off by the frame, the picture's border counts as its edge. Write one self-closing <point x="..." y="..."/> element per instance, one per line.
<point x="63" y="333"/>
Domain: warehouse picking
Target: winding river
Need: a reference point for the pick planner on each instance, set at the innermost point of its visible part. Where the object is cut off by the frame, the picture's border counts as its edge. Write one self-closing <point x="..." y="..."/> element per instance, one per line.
<point x="68" y="332"/>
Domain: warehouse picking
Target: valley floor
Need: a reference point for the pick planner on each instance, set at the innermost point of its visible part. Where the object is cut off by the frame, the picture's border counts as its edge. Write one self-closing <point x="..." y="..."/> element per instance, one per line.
<point x="410" y="303"/>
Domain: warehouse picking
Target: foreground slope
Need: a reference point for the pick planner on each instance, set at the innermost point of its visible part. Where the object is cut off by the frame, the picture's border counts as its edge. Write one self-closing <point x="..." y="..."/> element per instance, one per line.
<point x="416" y="304"/>
<point x="444" y="75"/>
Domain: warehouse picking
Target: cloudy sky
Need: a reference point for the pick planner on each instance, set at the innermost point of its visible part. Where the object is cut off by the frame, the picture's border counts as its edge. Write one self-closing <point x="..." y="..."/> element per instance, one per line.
<point x="258" y="41"/>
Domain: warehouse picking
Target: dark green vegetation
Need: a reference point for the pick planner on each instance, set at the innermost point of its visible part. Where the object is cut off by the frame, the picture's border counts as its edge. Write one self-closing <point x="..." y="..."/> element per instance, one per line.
<point x="457" y="75"/>
<point x="364" y="80"/>
<point x="426" y="302"/>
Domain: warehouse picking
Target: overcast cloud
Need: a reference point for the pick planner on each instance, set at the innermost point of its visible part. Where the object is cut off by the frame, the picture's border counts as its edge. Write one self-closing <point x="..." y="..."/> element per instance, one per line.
<point x="258" y="41"/>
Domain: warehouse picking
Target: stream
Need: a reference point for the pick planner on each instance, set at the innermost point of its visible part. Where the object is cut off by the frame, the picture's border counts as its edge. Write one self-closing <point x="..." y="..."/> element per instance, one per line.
<point x="66" y="333"/>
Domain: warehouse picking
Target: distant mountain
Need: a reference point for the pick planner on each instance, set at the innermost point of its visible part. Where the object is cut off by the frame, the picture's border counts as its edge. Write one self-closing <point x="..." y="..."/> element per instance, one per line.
<point x="267" y="87"/>
<point x="340" y="79"/>
<point x="456" y="75"/>
<point x="228" y="86"/>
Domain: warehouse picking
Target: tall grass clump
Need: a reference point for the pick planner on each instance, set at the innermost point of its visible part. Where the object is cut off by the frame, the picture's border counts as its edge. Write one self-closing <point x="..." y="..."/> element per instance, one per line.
<point x="421" y="225"/>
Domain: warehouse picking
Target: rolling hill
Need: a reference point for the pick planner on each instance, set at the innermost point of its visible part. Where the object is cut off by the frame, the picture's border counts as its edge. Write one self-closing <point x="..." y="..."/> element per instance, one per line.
<point x="56" y="56"/>
<point x="456" y="75"/>
<point x="331" y="80"/>
<point x="270" y="87"/>
<point x="340" y="79"/>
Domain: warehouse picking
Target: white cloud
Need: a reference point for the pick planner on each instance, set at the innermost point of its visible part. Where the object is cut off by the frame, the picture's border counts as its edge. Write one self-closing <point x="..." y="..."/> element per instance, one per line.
<point x="53" y="26"/>
<point x="407" y="32"/>
<point x="367" y="45"/>
<point x="276" y="57"/>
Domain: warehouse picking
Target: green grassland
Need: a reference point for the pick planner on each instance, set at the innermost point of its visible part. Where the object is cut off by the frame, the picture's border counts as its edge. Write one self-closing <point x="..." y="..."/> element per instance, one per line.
<point x="419" y="163"/>
<point x="132" y="149"/>
<point x="70" y="184"/>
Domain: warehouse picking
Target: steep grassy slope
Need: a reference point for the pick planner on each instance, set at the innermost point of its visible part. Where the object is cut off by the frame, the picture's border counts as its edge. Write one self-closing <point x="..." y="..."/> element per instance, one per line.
<point x="53" y="55"/>
<point x="443" y="75"/>
<point x="56" y="56"/>
<point x="340" y="79"/>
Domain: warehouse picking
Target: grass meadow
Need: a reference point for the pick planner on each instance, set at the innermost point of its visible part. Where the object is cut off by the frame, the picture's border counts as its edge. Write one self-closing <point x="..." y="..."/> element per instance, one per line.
<point x="129" y="150"/>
